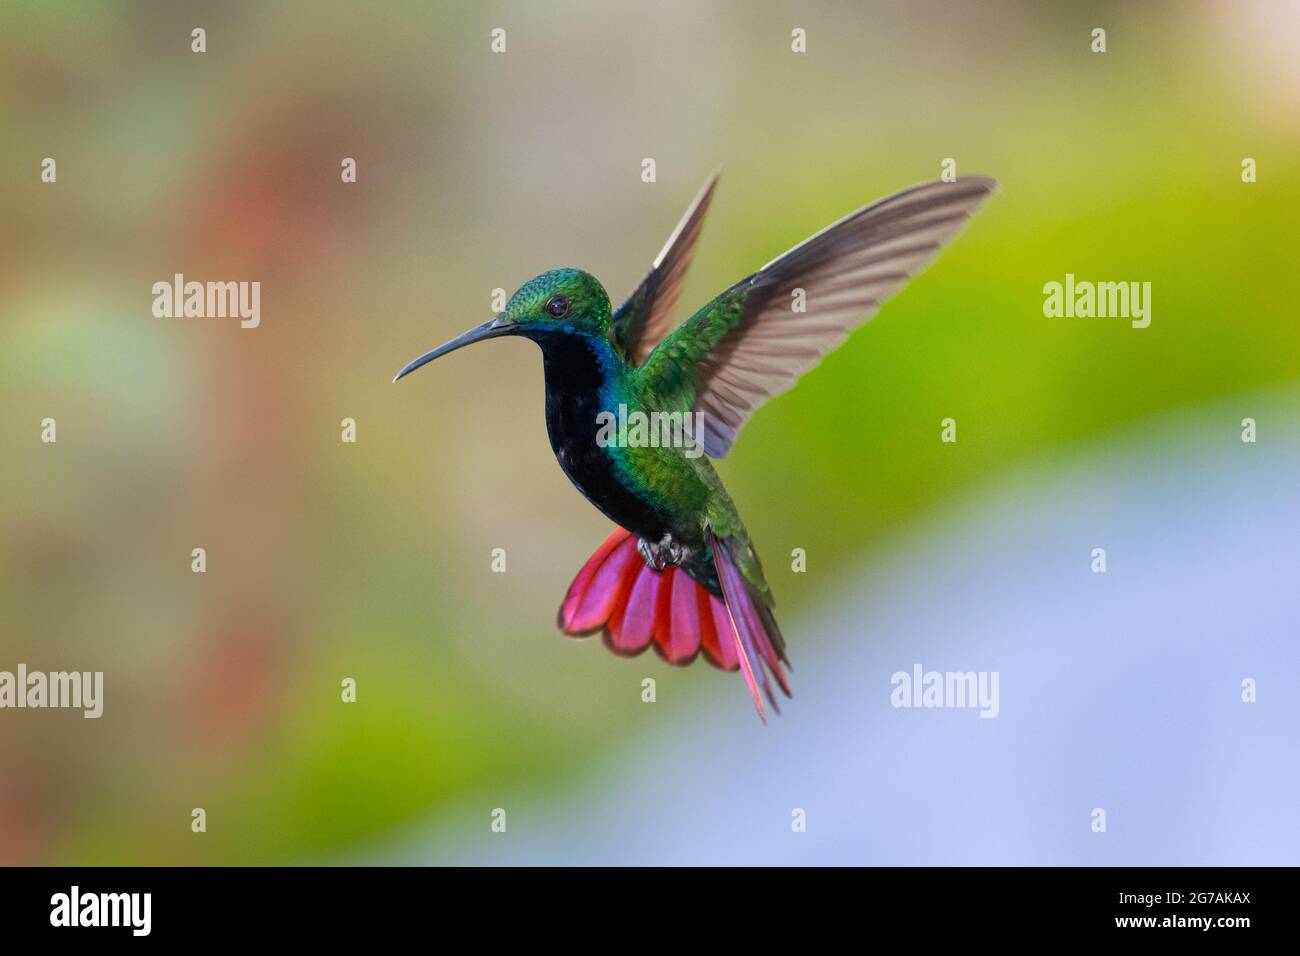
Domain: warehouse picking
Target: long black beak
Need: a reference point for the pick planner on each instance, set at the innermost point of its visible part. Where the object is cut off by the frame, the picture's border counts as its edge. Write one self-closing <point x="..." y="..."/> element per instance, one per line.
<point x="488" y="330"/>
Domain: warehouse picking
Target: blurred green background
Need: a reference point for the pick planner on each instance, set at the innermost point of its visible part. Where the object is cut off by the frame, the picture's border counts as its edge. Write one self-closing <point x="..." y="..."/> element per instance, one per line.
<point x="475" y="171"/>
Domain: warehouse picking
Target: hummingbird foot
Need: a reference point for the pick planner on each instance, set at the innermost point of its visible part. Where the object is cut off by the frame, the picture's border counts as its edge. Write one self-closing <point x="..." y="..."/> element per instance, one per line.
<point x="666" y="553"/>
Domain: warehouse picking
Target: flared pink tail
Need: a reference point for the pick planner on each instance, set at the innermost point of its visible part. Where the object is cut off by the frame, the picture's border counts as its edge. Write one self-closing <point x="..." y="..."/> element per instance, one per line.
<point x="635" y="607"/>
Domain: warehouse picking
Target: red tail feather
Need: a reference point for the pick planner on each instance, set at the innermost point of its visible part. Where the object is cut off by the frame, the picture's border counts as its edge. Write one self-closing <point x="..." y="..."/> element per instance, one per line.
<point x="633" y="606"/>
<point x="754" y="629"/>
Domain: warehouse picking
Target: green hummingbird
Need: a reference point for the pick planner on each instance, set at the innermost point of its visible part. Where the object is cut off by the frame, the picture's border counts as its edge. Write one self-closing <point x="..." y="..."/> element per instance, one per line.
<point x="680" y="572"/>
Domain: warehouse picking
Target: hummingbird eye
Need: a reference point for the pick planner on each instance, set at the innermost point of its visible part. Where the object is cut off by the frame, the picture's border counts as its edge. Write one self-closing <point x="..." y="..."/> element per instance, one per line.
<point x="557" y="306"/>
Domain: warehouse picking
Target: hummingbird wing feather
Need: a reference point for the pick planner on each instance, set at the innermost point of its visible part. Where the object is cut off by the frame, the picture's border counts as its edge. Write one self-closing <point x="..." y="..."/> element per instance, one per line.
<point x="752" y="342"/>
<point x="647" y="316"/>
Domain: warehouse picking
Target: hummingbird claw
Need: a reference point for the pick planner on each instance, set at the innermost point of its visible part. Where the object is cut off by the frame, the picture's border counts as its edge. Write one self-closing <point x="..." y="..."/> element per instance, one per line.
<point x="665" y="554"/>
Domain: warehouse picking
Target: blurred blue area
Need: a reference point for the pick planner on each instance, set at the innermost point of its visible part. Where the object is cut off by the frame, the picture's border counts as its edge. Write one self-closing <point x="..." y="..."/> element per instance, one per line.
<point x="1119" y="691"/>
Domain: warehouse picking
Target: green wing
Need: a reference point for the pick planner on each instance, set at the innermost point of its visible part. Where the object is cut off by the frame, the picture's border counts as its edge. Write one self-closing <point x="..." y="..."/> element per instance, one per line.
<point x="755" y="339"/>
<point x="645" y="318"/>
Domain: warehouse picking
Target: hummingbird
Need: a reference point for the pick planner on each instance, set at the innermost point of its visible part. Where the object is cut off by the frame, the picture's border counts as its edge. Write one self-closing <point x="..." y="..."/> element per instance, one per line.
<point x="680" y="572"/>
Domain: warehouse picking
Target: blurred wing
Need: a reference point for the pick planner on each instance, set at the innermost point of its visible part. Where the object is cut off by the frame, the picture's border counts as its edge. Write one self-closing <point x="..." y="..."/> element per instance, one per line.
<point x="752" y="342"/>
<point x="645" y="318"/>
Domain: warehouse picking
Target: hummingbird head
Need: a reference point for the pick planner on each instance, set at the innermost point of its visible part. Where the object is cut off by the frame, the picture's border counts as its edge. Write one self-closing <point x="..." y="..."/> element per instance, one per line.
<point x="566" y="302"/>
